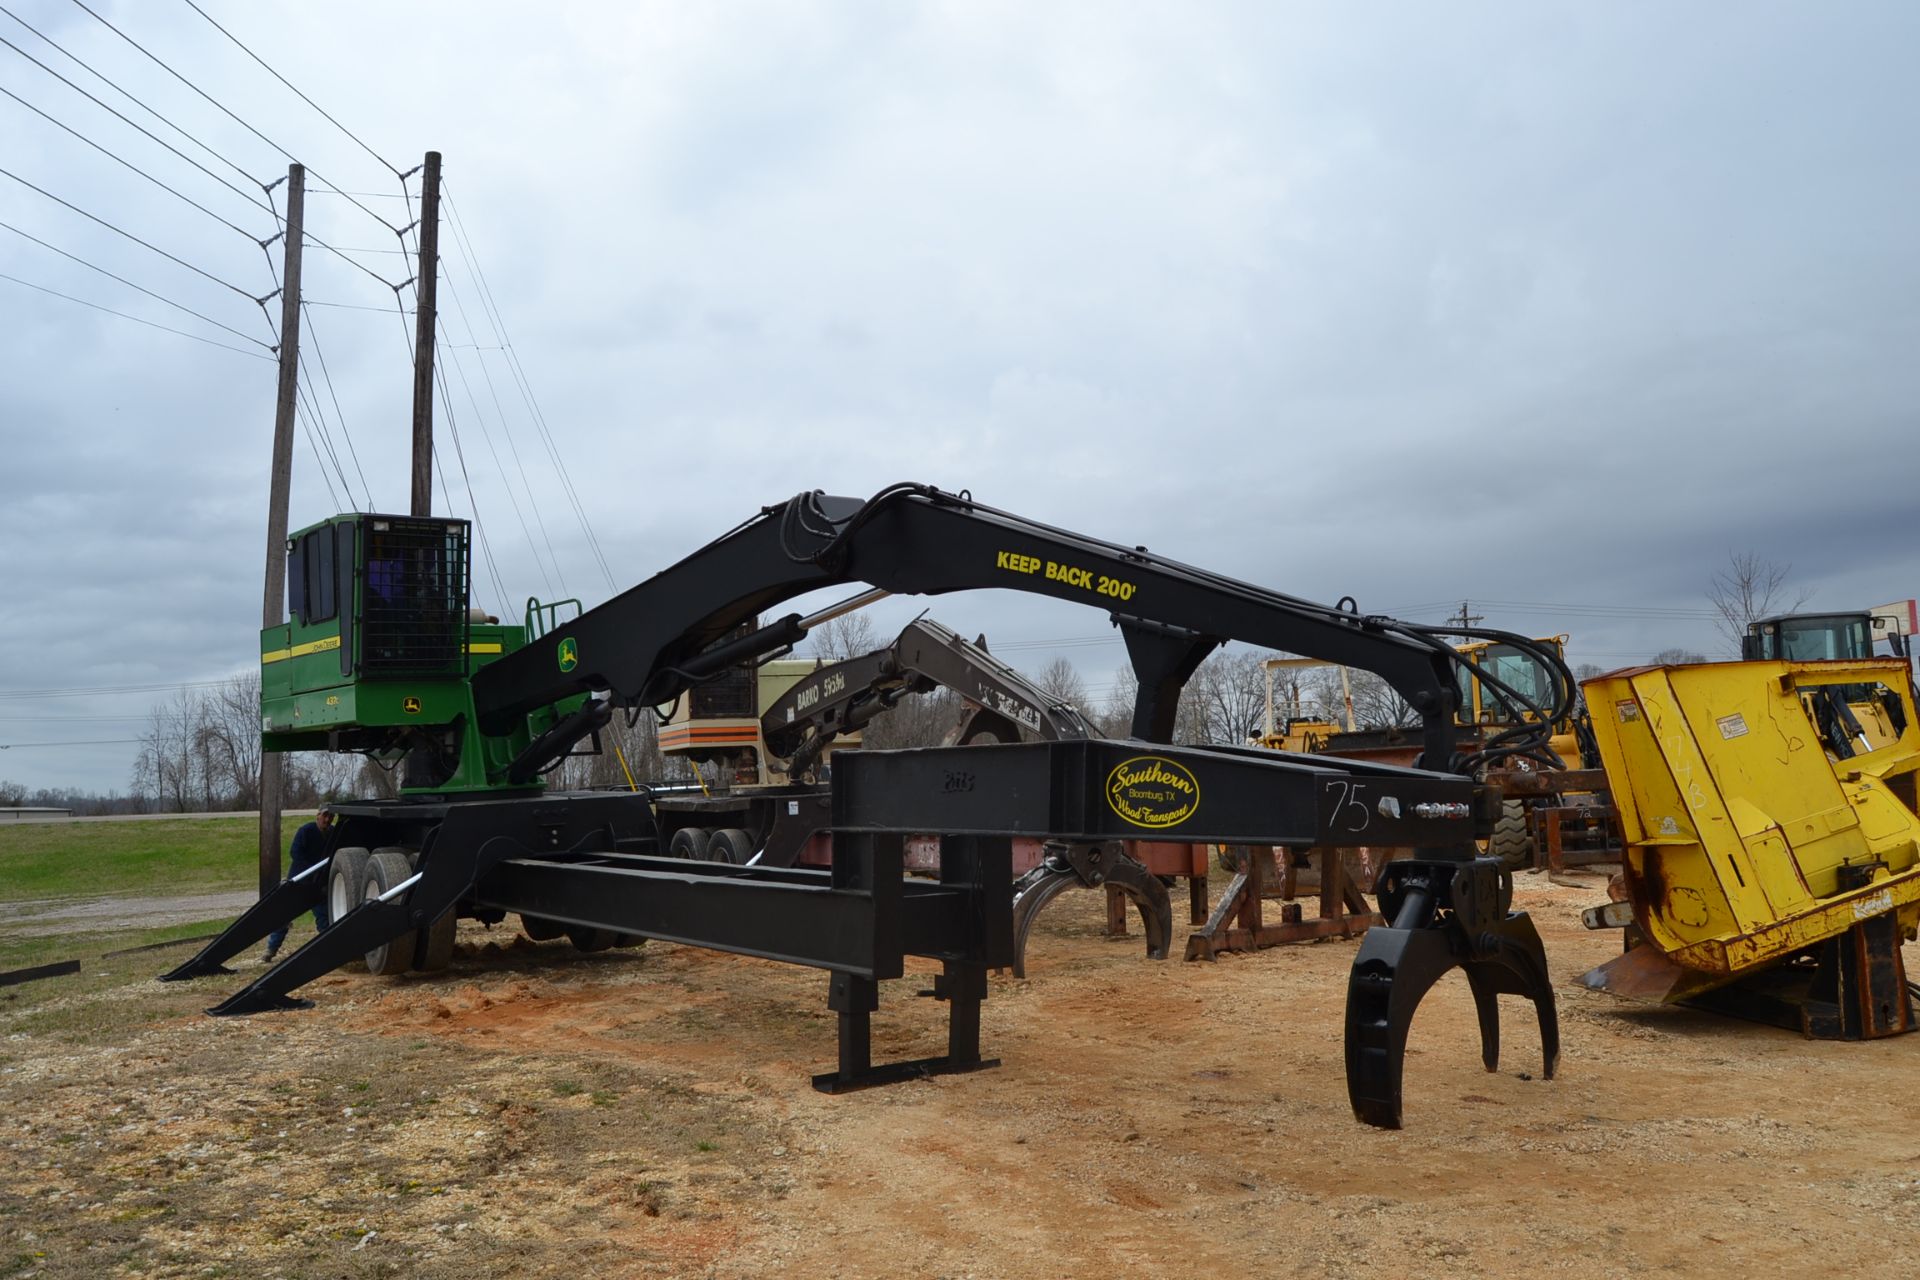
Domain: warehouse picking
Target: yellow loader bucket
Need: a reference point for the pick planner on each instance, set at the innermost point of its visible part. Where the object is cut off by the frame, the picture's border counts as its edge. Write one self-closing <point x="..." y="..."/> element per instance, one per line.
<point x="1768" y="810"/>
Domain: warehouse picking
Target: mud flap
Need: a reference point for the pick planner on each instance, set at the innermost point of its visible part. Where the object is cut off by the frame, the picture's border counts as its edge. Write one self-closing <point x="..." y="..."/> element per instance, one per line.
<point x="1088" y="866"/>
<point x="287" y="903"/>
<point x="1445" y="915"/>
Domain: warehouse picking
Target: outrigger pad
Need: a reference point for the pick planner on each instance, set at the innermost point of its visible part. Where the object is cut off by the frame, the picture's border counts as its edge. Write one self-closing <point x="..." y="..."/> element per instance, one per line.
<point x="1445" y="915"/>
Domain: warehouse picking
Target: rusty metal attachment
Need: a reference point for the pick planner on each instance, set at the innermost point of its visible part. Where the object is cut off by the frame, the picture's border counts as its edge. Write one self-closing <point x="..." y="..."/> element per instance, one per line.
<point x="1238" y="923"/>
<point x="1077" y="865"/>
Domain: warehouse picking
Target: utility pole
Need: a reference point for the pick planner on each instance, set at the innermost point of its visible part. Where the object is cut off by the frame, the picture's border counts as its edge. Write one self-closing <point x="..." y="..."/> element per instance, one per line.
<point x="273" y="607"/>
<point x="428" y="274"/>
<point x="1465" y="619"/>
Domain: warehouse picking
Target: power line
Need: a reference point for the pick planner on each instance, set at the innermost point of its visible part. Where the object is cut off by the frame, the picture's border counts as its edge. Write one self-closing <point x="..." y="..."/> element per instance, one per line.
<point x="172" y="191"/>
<point x="131" y="285"/>
<point x="136" y="319"/>
<point x="64" y="52"/>
<point x="261" y="301"/>
<point x="88" y="742"/>
<point x="304" y="390"/>
<point x="285" y="154"/>
<point x="512" y="498"/>
<point x="491" y="308"/>
<point x="283" y="80"/>
<point x="460" y="455"/>
<point x="70" y="719"/>
<point x="118" y="116"/>
<point x="88" y="691"/>
<point x="512" y="447"/>
<point x="314" y="333"/>
<point x="346" y="306"/>
<point x="320" y="463"/>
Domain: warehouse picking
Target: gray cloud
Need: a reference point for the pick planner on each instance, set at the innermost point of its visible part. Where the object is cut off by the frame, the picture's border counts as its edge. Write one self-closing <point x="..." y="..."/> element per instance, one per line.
<point x="1491" y="302"/>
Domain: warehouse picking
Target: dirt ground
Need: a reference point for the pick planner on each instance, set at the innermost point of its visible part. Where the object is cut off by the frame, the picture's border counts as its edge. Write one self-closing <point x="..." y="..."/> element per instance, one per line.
<point x="647" y="1113"/>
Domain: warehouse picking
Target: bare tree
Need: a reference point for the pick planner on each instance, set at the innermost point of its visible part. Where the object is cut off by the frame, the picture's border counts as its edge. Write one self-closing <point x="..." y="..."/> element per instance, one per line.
<point x="847" y="636"/>
<point x="1228" y="693"/>
<point x="227" y="738"/>
<point x="1748" y="589"/>
<point x="1677" y="657"/>
<point x="920" y="720"/>
<point x="1376" y="704"/>
<point x="1114" y="717"/>
<point x="168" y="766"/>
<point x="1059" y="680"/>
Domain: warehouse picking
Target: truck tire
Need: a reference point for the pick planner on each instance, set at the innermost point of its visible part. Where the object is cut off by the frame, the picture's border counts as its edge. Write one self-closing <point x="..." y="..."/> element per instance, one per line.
<point x="539" y="928"/>
<point x="344" y="881"/>
<point x="1512" y="842"/>
<point x="386" y="869"/>
<point x="731" y="844"/>
<point x="436" y="942"/>
<point x="585" y="939"/>
<point x="689" y="842"/>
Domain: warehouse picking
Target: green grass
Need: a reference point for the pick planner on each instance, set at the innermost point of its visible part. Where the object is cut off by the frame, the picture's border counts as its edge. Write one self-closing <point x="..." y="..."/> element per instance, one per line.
<point x="89" y="946"/>
<point x="124" y="859"/>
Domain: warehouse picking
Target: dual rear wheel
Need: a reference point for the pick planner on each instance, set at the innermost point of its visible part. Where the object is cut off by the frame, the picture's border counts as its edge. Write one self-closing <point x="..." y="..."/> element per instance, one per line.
<point x="712" y="844"/>
<point x="361" y="875"/>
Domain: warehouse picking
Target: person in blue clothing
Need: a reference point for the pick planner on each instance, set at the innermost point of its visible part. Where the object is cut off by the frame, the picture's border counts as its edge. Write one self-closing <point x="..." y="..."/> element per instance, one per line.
<point x="309" y="847"/>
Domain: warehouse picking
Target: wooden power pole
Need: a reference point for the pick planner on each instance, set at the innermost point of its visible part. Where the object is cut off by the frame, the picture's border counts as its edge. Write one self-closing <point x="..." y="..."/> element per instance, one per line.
<point x="428" y="274"/>
<point x="273" y="608"/>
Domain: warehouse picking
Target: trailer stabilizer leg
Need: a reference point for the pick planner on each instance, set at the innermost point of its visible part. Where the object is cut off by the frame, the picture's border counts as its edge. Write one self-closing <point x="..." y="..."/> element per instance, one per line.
<point x="280" y="908"/>
<point x="963" y="986"/>
<point x="359" y="931"/>
<point x="1445" y="915"/>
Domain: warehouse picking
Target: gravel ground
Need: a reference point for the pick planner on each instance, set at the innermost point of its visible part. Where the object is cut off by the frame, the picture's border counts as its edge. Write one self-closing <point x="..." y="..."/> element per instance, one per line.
<point x="641" y="1113"/>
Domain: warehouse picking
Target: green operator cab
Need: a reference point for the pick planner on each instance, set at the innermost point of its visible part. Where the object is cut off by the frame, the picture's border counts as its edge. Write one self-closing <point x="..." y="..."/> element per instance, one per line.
<point x="379" y="649"/>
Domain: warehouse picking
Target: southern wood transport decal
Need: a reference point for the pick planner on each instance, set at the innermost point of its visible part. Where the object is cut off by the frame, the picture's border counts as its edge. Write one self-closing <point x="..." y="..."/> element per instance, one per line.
<point x="1152" y="792"/>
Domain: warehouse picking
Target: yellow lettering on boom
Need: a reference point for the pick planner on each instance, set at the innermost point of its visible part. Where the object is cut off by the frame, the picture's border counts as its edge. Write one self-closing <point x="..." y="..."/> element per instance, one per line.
<point x="1071" y="575"/>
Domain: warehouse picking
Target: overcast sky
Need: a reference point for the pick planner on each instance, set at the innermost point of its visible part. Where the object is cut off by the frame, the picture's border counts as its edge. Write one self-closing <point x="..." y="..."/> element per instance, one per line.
<point x="1528" y="305"/>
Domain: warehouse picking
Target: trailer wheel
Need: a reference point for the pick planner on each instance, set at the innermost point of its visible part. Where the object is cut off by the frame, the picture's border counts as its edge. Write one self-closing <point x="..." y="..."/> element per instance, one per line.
<point x="585" y="939"/>
<point x="386" y="869"/>
<point x="629" y="939"/>
<point x="540" y="928"/>
<point x="344" y="881"/>
<point x="436" y="942"/>
<point x="731" y="844"/>
<point x="1512" y="843"/>
<point x="689" y="842"/>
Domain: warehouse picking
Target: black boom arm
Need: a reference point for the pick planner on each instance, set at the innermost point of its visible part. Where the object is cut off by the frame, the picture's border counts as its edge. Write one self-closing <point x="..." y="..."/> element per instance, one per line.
<point x="649" y="644"/>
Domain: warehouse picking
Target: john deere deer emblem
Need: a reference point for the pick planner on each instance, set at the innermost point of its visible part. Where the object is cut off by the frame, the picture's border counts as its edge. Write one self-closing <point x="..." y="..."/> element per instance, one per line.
<point x="410" y="705"/>
<point x="569" y="655"/>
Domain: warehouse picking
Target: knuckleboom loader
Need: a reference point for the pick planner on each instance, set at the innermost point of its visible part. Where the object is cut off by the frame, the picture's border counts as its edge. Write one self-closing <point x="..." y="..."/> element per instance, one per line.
<point x="475" y="834"/>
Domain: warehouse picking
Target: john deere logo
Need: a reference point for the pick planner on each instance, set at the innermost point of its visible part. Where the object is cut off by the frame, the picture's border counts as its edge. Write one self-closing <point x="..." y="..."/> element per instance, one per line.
<point x="410" y="705"/>
<point x="1152" y="792"/>
<point x="569" y="655"/>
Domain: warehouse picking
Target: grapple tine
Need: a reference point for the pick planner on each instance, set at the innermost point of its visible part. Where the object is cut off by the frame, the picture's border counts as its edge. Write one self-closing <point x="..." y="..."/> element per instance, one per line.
<point x="1397" y="964"/>
<point x="1089" y="866"/>
<point x="1394" y="969"/>
<point x="1486" y="1004"/>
